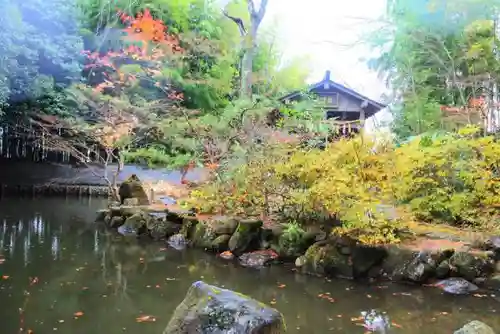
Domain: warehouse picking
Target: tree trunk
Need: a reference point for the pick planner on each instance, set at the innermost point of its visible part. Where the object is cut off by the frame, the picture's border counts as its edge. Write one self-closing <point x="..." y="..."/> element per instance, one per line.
<point x="247" y="62"/>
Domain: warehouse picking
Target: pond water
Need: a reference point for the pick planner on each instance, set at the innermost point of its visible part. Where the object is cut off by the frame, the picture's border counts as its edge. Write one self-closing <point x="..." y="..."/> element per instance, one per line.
<point x="70" y="275"/>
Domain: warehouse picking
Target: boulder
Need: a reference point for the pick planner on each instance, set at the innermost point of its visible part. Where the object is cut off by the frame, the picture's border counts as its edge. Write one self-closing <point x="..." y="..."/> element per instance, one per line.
<point x="414" y="266"/>
<point x="475" y="327"/>
<point x="101" y="215"/>
<point x="324" y="258"/>
<point x="132" y="201"/>
<point x="128" y="210"/>
<point x="203" y="236"/>
<point x="134" y="188"/>
<point x="293" y="244"/>
<point x="220" y="244"/>
<point x="247" y="232"/>
<point x="338" y="259"/>
<point x="224" y="225"/>
<point x="364" y="258"/>
<point x="135" y="224"/>
<point x="160" y="228"/>
<point x="116" y="222"/>
<point x="258" y="259"/>
<point x="188" y="226"/>
<point x="470" y="266"/>
<point x="211" y="310"/>
<point x="456" y="286"/>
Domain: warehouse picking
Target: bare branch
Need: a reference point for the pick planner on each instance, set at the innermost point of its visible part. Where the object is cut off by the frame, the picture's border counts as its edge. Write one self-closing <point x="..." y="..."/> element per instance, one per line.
<point x="238" y="21"/>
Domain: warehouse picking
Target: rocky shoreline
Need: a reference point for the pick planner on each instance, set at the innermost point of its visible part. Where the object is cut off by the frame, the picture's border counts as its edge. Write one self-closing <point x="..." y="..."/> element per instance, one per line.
<point x="454" y="267"/>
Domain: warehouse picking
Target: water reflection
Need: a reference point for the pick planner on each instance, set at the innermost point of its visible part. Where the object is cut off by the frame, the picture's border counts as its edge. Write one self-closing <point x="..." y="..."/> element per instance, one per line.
<point x="114" y="279"/>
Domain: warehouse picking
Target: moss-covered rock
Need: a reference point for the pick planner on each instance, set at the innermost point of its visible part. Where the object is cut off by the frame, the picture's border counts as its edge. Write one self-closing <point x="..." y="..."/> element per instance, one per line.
<point x="324" y="258"/>
<point x="224" y="225"/>
<point x="470" y="266"/>
<point x="203" y="235"/>
<point x="136" y="224"/>
<point x="220" y="244"/>
<point x="246" y="233"/>
<point x="132" y="201"/>
<point x="212" y="310"/>
<point x="188" y="226"/>
<point x="116" y="222"/>
<point x="128" y="210"/>
<point x="291" y="245"/>
<point x="134" y="188"/>
<point x="160" y="228"/>
<point x="475" y="327"/>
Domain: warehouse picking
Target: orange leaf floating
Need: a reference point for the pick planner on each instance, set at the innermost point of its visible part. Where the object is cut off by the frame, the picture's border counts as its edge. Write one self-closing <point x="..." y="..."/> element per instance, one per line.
<point x="145" y="318"/>
<point x="396" y="325"/>
<point x="281" y="286"/>
<point x="5" y="277"/>
<point x="78" y="314"/>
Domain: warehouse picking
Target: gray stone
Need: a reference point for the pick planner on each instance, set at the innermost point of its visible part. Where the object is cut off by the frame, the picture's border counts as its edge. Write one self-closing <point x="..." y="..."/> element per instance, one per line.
<point x="475" y="327"/>
<point x="456" y="286"/>
<point x="208" y="309"/>
<point x="257" y="259"/>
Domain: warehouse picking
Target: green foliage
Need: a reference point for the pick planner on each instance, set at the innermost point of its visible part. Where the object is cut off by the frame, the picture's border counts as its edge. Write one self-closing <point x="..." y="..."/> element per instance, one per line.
<point x="39" y="46"/>
<point x="432" y="53"/>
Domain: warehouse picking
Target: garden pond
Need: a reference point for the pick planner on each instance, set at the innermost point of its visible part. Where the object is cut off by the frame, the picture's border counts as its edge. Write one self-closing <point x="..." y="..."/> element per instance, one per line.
<point x="61" y="272"/>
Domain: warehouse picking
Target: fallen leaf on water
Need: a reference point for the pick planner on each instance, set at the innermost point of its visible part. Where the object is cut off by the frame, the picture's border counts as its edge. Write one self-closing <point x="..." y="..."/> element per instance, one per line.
<point x="145" y="318"/>
<point x="281" y="286"/>
<point x="369" y="296"/>
<point x="78" y="314"/>
<point x="444" y="313"/>
<point x="2" y="261"/>
<point x="5" y="277"/>
<point x="61" y="321"/>
<point x="358" y="319"/>
<point x="157" y="286"/>
<point x="479" y="295"/>
<point x="396" y="325"/>
<point x="272" y="302"/>
<point x="162" y="249"/>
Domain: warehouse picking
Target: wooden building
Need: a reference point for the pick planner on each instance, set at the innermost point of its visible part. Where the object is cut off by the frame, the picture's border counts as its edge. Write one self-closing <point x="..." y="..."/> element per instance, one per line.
<point x="345" y="108"/>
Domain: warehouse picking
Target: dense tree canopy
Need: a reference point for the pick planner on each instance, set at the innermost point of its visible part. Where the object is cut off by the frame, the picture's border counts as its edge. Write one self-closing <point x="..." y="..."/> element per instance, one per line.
<point x="437" y="53"/>
<point x="39" y="47"/>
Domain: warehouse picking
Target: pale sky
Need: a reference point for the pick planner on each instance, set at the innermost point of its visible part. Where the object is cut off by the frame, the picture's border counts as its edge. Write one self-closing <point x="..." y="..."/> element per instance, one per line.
<point x="329" y="32"/>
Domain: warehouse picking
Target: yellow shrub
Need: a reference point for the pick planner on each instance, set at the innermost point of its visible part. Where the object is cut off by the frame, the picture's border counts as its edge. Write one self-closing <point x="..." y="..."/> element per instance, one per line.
<point x="450" y="179"/>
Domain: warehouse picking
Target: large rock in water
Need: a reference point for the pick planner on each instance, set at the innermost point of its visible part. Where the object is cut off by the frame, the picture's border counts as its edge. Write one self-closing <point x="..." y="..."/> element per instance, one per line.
<point x="475" y="327"/>
<point x="134" y="188"/>
<point x="207" y="309"/>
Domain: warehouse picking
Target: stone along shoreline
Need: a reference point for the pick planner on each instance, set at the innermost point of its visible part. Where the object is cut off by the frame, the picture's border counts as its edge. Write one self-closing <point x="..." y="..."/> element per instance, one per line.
<point x="454" y="266"/>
